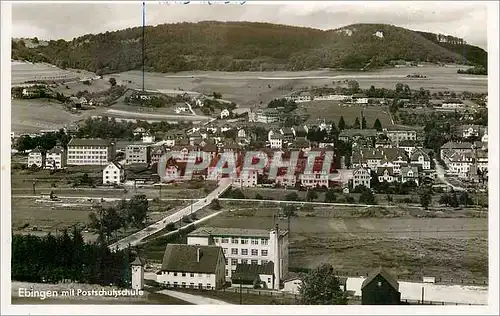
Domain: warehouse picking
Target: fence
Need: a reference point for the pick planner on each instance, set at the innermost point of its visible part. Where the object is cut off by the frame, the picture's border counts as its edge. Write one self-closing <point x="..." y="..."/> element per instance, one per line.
<point x="406" y="277"/>
<point x="262" y="292"/>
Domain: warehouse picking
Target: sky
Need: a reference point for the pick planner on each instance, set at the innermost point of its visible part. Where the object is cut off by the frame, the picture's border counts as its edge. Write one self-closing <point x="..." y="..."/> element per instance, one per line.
<point x="467" y="20"/>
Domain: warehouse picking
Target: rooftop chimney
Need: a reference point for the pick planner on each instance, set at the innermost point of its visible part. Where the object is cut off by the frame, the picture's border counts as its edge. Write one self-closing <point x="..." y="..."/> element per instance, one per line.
<point x="198" y="255"/>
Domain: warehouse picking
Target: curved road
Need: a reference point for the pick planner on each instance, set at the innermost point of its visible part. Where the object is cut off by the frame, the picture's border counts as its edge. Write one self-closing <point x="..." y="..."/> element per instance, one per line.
<point x="136" y="238"/>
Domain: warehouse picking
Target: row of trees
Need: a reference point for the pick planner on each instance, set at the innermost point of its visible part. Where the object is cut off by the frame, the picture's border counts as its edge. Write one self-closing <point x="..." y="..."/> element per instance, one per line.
<point x="67" y="257"/>
<point x="44" y="142"/>
<point x="132" y="213"/>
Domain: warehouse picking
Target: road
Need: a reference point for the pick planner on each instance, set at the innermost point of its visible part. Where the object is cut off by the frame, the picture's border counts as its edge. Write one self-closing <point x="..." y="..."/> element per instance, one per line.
<point x="195" y="299"/>
<point x="136" y="238"/>
<point x="441" y="172"/>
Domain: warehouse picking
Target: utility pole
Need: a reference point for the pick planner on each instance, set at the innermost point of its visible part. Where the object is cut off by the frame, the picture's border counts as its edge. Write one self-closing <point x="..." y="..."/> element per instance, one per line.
<point x="143" y="41"/>
<point x="34" y="187"/>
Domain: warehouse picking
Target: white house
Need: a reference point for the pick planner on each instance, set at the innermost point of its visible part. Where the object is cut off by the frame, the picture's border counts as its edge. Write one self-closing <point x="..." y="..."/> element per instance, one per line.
<point x="385" y="174"/>
<point x="113" y="174"/>
<point x="139" y="131"/>
<point x="55" y="158"/>
<point x="148" y="138"/>
<point x="35" y="157"/>
<point x="292" y="285"/>
<point x="242" y="133"/>
<point x="224" y="113"/>
<point x="314" y="179"/>
<point x="419" y="157"/>
<point x="409" y="174"/>
<point x="192" y="266"/>
<point x="362" y="100"/>
<point x="247" y="178"/>
<point x="361" y="176"/>
<point x="137" y="273"/>
<point x="276" y="140"/>
<point x="247" y="246"/>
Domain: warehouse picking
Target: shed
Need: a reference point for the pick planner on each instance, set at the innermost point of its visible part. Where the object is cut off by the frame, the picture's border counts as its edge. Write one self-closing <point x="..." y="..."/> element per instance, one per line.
<point x="380" y="288"/>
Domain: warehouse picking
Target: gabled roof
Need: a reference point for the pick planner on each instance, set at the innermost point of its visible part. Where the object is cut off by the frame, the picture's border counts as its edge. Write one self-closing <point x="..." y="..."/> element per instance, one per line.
<point x="117" y="165"/>
<point x="56" y="150"/>
<point x="381" y="170"/>
<point x="453" y="145"/>
<point x="183" y="258"/>
<point x="417" y="153"/>
<point x="249" y="272"/>
<point x="384" y="274"/>
<point x="138" y="262"/>
<point x="404" y="170"/>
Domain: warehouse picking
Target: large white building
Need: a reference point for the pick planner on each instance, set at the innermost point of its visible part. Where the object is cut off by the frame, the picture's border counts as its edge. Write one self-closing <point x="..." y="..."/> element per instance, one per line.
<point x="192" y="266"/>
<point x="247" y="246"/>
<point x="113" y="174"/>
<point x="90" y="151"/>
<point x="55" y="158"/>
<point x="361" y="176"/>
<point x="35" y="157"/>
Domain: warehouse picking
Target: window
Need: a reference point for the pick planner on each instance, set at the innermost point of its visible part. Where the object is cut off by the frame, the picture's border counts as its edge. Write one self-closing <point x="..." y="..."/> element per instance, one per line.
<point x="183" y="274"/>
<point x="226" y="262"/>
<point x="234" y="251"/>
<point x="255" y="252"/>
<point x="191" y="285"/>
<point x="227" y="272"/>
<point x="183" y="284"/>
<point x="234" y="240"/>
<point x="264" y="252"/>
<point x="225" y="250"/>
<point x="255" y="241"/>
<point x="208" y="285"/>
<point x="244" y="261"/>
<point x="268" y="280"/>
<point x="264" y="262"/>
<point x="175" y="273"/>
<point x="255" y="261"/>
<point x="192" y="275"/>
<point x="225" y="240"/>
<point x="234" y="262"/>
<point x="244" y="252"/>
<point x="244" y="241"/>
<point x="263" y="241"/>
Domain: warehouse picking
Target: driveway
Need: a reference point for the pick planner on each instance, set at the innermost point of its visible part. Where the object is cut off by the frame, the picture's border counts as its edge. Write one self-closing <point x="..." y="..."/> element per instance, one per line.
<point x="194" y="299"/>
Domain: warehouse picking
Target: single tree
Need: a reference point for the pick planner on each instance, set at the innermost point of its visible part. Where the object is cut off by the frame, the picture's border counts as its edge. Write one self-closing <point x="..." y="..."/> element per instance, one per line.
<point x="112" y="81"/>
<point x="367" y="197"/>
<point x="311" y="195"/>
<point x="356" y="123"/>
<point x="330" y="196"/>
<point x="322" y="287"/>
<point x="363" y="122"/>
<point x="293" y="196"/>
<point x="341" y="123"/>
<point x="377" y="125"/>
<point x="425" y="199"/>
<point x="353" y="86"/>
<point x="289" y="210"/>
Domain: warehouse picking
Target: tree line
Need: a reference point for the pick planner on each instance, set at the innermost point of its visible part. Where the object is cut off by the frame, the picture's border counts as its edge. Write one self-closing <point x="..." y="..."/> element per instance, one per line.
<point x="68" y="257"/>
<point x="44" y="142"/>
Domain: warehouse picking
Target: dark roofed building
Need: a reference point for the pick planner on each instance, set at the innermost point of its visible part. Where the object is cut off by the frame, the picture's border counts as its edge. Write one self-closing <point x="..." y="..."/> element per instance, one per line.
<point x="380" y="288"/>
<point x="254" y="275"/>
<point x="193" y="266"/>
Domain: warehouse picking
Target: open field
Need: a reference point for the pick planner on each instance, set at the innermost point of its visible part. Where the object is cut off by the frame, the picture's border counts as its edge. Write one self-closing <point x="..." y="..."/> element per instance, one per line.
<point x="29" y="116"/>
<point x="70" y="88"/>
<point x="22" y="71"/>
<point x="332" y="111"/>
<point x="249" y="88"/>
<point x="450" y="248"/>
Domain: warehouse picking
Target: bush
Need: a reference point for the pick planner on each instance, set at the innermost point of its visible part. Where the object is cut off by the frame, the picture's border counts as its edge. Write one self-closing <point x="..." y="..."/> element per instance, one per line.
<point x="214" y="205"/>
<point x="170" y="226"/>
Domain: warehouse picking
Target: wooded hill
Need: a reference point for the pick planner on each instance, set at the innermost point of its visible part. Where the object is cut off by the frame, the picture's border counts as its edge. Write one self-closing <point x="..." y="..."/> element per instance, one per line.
<point x="246" y="46"/>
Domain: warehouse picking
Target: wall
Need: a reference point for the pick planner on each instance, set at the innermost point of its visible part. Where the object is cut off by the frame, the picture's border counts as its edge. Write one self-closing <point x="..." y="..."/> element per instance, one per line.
<point x="208" y="281"/>
<point x="193" y="240"/>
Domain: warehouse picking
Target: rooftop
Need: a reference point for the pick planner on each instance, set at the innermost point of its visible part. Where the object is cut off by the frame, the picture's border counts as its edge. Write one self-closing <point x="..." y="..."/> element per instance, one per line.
<point x="183" y="258"/>
<point x="89" y="142"/>
<point x="383" y="273"/>
<point x="230" y="231"/>
<point x="249" y="272"/>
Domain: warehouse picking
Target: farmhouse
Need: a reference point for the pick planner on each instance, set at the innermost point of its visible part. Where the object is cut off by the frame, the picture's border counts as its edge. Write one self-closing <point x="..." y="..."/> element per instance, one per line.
<point x="113" y="174"/>
<point x="380" y="288"/>
<point x="56" y="158"/>
<point x="247" y="246"/>
<point x="192" y="266"/>
<point x="35" y="157"/>
<point x="89" y="151"/>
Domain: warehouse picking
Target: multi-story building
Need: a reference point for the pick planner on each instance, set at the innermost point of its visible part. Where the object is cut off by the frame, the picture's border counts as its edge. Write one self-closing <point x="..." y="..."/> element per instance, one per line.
<point x="137" y="154"/>
<point x="419" y="157"/>
<point x="409" y="174"/>
<point x="35" y="157"/>
<point x="113" y="174"/>
<point x="55" y="158"/>
<point x="276" y="140"/>
<point x="361" y="176"/>
<point x="247" y="246"/>
<point x="89" y="151"/>
<point x="400" y="133"/>
<point x="386" y="174"/>
<point x="192" y="266"/>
